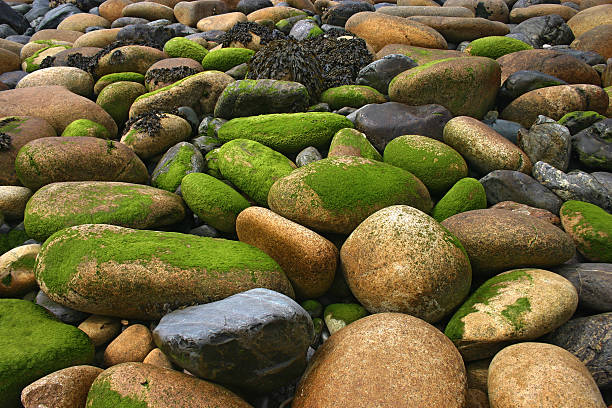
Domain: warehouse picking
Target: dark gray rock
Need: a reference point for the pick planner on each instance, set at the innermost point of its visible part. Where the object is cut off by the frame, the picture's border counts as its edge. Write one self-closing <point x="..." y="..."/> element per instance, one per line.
<point x="588" y="57"/>
<point x="547" y="141"/>
<point x="580" y="120"/>
<point x="571" y="4"/>
<point x="181" y="30"/>
<point x="39" y="8"/>
<point x="593" y="282"/>
<point x="214" y="36"/>
<point x="593" y="146"/>
<point x="589" y="339"/>
<point x="6" y="31"/>
<point x="144" y="33"/>
<point x="506" y="128"/>
<point x="576" y="185"/>
<point x="187" y="113"/>
<point x="307" y="156"/>
<point x="205" y="231"/>
<point x="239" y="71"/>
<point x="521" y="82"/>
<point x="379" y="73"/>
<point x="249" y="6"/>
<point x="302" y="29"/>
<point x="21" y="39"/>
<point x="550" y="29"/>
<point x="255" y="340"/>
<point x="63" y="313"/>
<point x="11" y="78"/>
<point x="339" y="13"/>
<point x="604" y="178"/>
<point x="55" y="16"/>
<point x="510" y="185"/>
<point x="206" y="143"/>
<point x="384" y="122"/>
<point x="319" y="107"/>
<point x="11" y="17"/>
<point x="22" y="9"/>
<point x="126" y="21"/>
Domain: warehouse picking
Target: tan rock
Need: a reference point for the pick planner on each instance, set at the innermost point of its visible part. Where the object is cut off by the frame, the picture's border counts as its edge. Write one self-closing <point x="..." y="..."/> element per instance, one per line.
<point x="527" y="210"/>
<point x="74" y="79"/>
<point x="380" y="29"/>
<point x="222" y="22"/>
<point x="493" y="10"/>
<point x="31" y="48"/>
<point x="98" y="38"/>
<point x="302" y="5"/>
<point x="81" y="21"/>
<point x="469" y="4"/>
<point x="34" y="63"/>
<point x="148" y="10"/>
<point x="133" y="344"/>
<point x="62" y="57"/>
<point x="157" y="358"/>
<point x="190" y="12"/>
<point x="113" y="9"/>
<point x="11" y="46"/>
<point x="590" y="18"/>
<point x="457" y="29"/>
<point x="543" y="375"/>
<point x="585" y="4"/>
<point x="154" y="82"/>
<point x="419" y="54"/>
<point x="598" y="39"/>
<point x="9" y="61"/>
<point x="130" y="58"/>
<point x="390" y="359"/>
<point x="69" y="36"/>
<point x="274" y="13"/>
<point x="101" y="329"/>
<point x="65" y="388"/>
<point x="308" y="259"/>
<point x="409" y="11"/>
<point x="13" y="200"/>
<point x="17" y="270"/>
<point x="174" y="129"/>
<point x="417" y="3"/>
<point x="518" y="15"/>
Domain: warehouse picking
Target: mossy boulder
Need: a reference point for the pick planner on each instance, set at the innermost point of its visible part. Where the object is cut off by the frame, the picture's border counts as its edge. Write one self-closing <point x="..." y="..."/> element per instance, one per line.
<point x="336" y="194"/>
<point x="213" y="201"/>
<point x="212" y="164"/>
<point x="225" y="59"/>
<point x="117" y="98"/>
<point x="86" y="127"/>
<point x="496" y="46"/>
<point x="180" y="160"/>
<point x="61" y="205"/>
<point x="116" y="77"/>
<point x="339" y="315"/>
<point x="437" y="165"/>
<point x="153" y="135"/>
<point x="467" y="194"/>
<point x="580" y="120"/>
<point x="517" y="305"/>
<point x="181" y="47"/>
<point x="354" y="96"/>
<point x="141" y="274"/>
<point x="253" y="167"/>
<point x="34" y="344"/>
<point x="286" y="132"/>
<point x="591" y="229"/>
<point x="351" y="142"/>
<point x="32" y="63"/>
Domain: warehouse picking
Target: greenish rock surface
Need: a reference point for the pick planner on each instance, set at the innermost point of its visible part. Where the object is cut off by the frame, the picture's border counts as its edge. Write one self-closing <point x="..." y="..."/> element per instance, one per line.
<point x="354" y="96"/>
<point x="117" y="77"/>
<point x="34" y="344"/>
<point x="339" y="315"/>
<point x="436" y="164"/>
<point x="213" y="201"/>
<point x="12" y="239"/>
<point x="117" y="98"/>
<point x="253" y="167"/>
<point x="579" y="120"/>
<point x="180" y="160"/>
<point x="181" y="47"/>
<point x="590" y="227"/>
<point x="467" y="194"/>
<point x="142" y="274"/>
<point x="351" y="142"/>
<point x="286" y="132"/>
<point x="225" y="59"/>
<point x="313" y="307"/>
<point x="86" y="127"/>
<point x="495" y="46"/>
<point x="212" y="164"/>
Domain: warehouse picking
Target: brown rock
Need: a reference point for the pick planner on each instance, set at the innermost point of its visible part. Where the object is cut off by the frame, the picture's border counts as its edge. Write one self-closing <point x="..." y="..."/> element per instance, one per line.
<point x="113" y="9"/>
<point x="598" y="39"/>
<point x="527" y="210"/>
<point x="81" y="21"/>
<point x="274" y="13"/>
<point x="409" y="11"/>
<point x="146" y="144"/>
<point x="419" y="54"/>
<point x="9" y="61"/>
<point x="148" y="10"/>
<point x="157" y="358"/>
<point x="69" y="36"/>
<point x="590" y="18"/>
<point x="13" y="200"/>
<point x="302" y="5"/>
<point x="31" y="48"/>
<point x="74" y="79"/>
<point x="457" y="29"/>
<point x="386" y="359"/>
<point x="477" y="374"/>
<point x="418" y="3"/>
<point x="17" y="270"/>
<point x="133" y="344"/>
<point x="190" y="12"/>
<point x="477" y="399"/>
<point x="65" y="388"/>
<point x="153" y="82"/>
<point x="493" y="10"/>
<point x="585" y="4"/>
<point x="98" y="38"/>
<point x="308" y="259"/>
<point x="222" y="22"/>
<point x="554" y="102"/>
<point x="518" y="15"/>
<point x="11" y="46"/>
<point x="61" y="58"/>
<point x="498" y="240"/>
<point x="543" y="375"/>
<point x="130" y="58"/>
<point x="468" y="4"/>
<point x="101" y="329"/>
<point x="380" y="29"/>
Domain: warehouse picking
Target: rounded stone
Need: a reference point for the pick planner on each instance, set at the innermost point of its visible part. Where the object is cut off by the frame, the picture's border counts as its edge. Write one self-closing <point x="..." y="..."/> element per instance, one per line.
<point x="190" y="12"/>
<point x="170" y="70"/>
<point x="132" y="345"/>
<point x="593" y="281"/>
<point x="73" y="79"/>
<point x="148" y="142"/>
<point x="148" y="10"/>
<point x="597" y="39"/>
<point x="101" y="329"/>
<point x="17" y="270"/>
<point x="419" y="54"/>
<point x="86" y="127"/>
<point x="117" y="98"/>
<point x="9" y="61"/>
<point x="590" y="18"/>
<point x="354" y="96"/>
<point x="81" y="21"/>
<point x="274" y="13"/>
<point x="518" y="15"/>
<point x="590" y="228"/>
<point x="458" y="29"/>
<point x="121" y="76"/>
<point x="467" y="194"/>
<point x="351" y="142"/>
<point x="97" y="38"/>
<point x="111" y="9"/>
<point x="129" y="58"/>
<point x="222" y="22"/>
<point x="13" y="201"/>
<point x="495" y="46"/>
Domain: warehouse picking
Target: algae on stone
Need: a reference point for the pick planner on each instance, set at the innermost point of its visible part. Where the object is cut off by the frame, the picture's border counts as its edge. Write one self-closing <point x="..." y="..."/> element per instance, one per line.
<point x="467" y="194"/>
<point x="496" y="46"/>
<point x="351" y="142"/>
<point x="181" y="47"/>
<point x="225" y="59"/>
<point x="86" y="127"/>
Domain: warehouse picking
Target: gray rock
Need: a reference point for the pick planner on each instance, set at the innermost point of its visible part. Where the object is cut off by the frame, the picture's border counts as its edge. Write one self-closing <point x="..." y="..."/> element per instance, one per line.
<point x="239" y="71"/>
<point x="593" y="282"/>
<point x="11" y="78"/>
<point x="604" y="178"/>
<point x="506" y="128"/>
<point x="339" y="13"/>
<point x="571" y="4"/>
<point x="187" y="113"/>
<point x="126" y="21"/>
<point x="588" y="57"/>
<point x="589" y="339"/>
<point x="593" y="145"/>
<point x="576" y="185"/>
<point x="21" y="39"/>
<point x="510" y="185"/>
<point x="527" y="3"/>
<point x="181" y="30"/>
<point x="14" y="19"/>
<point x="6" y="31"/>
<point x="550" y="29"/>
<point x="39" y="8"/>
<point x="307" y="156"/>
<point x="63" y="313"/>
<point x="379" y="73"/>
<point x="249" y="6"/>
<point x="579" y="120"/>
<point x="302" y="29"/>
<point x="55" y="16"/>
<point x="205" y="231"/>
<point x="547" y="141"/>
<point x="255" y="340"/>
<point x="145" y="33"/>
<point x="196" y="165"/>
<point x="206" y="143"/>
<point x="521" y="82"/>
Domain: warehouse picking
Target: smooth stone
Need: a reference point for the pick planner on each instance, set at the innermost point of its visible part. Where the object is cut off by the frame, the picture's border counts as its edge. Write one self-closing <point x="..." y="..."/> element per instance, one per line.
<point x="13" y="18"/>
<point x="126" y="21"/>
<point x="180" y="160"/>
<point x="9" y="61"/>
<point x="157" y="358"/>
<point x="525" y="209"/>
<point x="419" y="54"/>
<point x="495" y="46"/>
<point x="517" y="305"/>
<point x="249" y="6"/>
<point x="17" y="270"/>
<point x="596" y="39"/>
<point x="522" y="81"/>
<point x="518" y="15"/>
<point x="81" y="21"/>
<point x="590" y="228"/>
<point x="304" y="29"/>
<point x="379" y="73"/>
<point x="547" y="141"/>
<point x="101" y="329"/>
<point x="132" y="345"/>
<point x="593" y="146"/>
<point x="56" y="35"/>
<point x="13" y="201"/>
<point x="11" y="78"/>
<point x="307" y="156"/>
<point x="538" y="31"/>
<point x="577" y="121"/>
<point x="147" y="141"/>
<point x="275" y="13"/>
<point x="498" y="240"/>
<point x="409" y="11"/>
<point x="593" y="281"/>
<point x="190" y="12"/>
<point x="55" y="16"/>
<point x="457" y="29"/>
<point x="465" y="195"/>
<point x="158" y="271"/>
<point x="73" y="79"/>
<point x="85" y="127"/>
<point x="98" y="38"/>
<point x="61" y="59"/>
<point x="351" y="142"/>
<point x="590" y="18"/>
<point x="353" y="96"/>
<point x="148" y="10"/>
<point x="117" y="98"/>
<point x="111" y="9"/>
<point x="170" y="70"/>
<point x="130" y="58"/>
<point x="155" y="34"/>
<point x="60" y="312"/>
<point x="339" y="12"/>
<point x="223" y="22"/>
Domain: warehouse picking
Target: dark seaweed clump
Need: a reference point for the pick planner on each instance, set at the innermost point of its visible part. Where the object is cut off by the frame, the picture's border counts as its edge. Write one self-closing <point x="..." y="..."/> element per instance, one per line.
<point x="243" y="34"/>
<point x="168" y="75"/>
<point x="47" y="62"/>
<point x="5" y="141"/>
<point x="149" y="122"/>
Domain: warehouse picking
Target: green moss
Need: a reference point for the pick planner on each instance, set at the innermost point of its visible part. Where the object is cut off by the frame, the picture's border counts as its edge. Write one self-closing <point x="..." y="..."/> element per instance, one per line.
<point x="101" y="395"/>
<point x="225" y="59"/>
<point x="351" y="142"/>
<point x="354" y="96"/>
<point x="172" y="172"/>
<point x="314" y="32"/>
<point x="253" y="167"/>
<point x="346" y="312"/>
<point x="34" y="344"/>
<point x="165" y="88"/>
<point x="581" y="115"/>
<point x="13" y="239"/>
<point x="467" y="194"/>
<point x="313" y="307"/>
<point x="593" y="229"/>
<point x="216" y="203"/>
<point x="514" y="312"/>
<point x="86" y="127"/>
<point x="436" y="164"/>
<point x="108" y="79"/>
<point x="496" y="46"/>
<point x="12" y="124"/>
<point x="212" y="162"/>
<point x="286" y="132"/>
<point x="482" y="295"/>
<point x="25" y="262"/>
<point x="413" y="71"/>
<point x="117" y="98"/>
<point x="181" y="47"/>
<point x="31" y="66"/>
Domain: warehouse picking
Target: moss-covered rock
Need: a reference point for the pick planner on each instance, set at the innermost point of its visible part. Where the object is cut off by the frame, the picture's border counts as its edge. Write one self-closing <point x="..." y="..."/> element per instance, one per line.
<point x="313" y="307"/>
<point x="117" y="98"/>
<point x="437" y="165"/>
<point x="339" y="315"/>
<point x="591" y="229"/>
<point x="225" y="59"/>
<point x="354" y="96"/>
<point x="180" y="160"/>
<point x="33" y="62"/>
<point x="12" y="239"/>
<point x="119" y="76"/>
<point x="86" y="127"/>
<point x="467" y="194"/>
<point x="32" y="345"/>
<point x="351" y="142"/>
<point x="212" y="164"/>
<point x="116" y="271"/>
<point x="286" y="132"/>
<point x="496" y="46"/>
<point x="181" y="47"/>
<point x="253" y="167"/>
<point x="213" y="201"/>
<point x="336" y="194"/>
<point x="580" y="120"/>
<point x="155" y="133"/>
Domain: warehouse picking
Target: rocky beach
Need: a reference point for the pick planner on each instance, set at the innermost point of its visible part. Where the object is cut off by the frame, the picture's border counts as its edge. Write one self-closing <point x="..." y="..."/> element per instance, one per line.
<point x="305" y="204"/>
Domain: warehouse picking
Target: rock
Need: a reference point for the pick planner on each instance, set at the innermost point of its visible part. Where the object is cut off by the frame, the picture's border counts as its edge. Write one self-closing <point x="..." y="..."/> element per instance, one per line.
<point x="132" y="345"/>
<point x="498" y="240"/>
<point x="340" y="315"/>
<point x="547" y="141"/>
<point x="308" y="259"/>
<point x="439" y="82"/>
<point x="29" y="352"/>
<point x="158" y="271"/>
<point x="62" y="313"/>
<point x="170" y="70"/>
<point x="525" y="209"/>
<point x="148" y="10"/>
<point x="420" y="55"/>
<point x="354" y="96"/>
<point x="154" y="134"/>
<point x="590" y="228"/>
<point x="14" y="19"/>
<point x="65" y="388"/>
<point x="379" y="73"/>
<point x="55" y="159"/>
<point x="101" y="329"/>
<point x="190" y="12"/>
<point x="81" y="21"/>
<point x="98" y="38"/>
<point x="266" y="337"/>
<point x="409" y="11"/>
<point x="180" y="160"/>
<point x="157" y="358"/>
<point x="495" y="46"/>
<point x="593" y="146"/>
<point x="518" y="305"/>
<point x="523" y="81"/>
<point x="384" y="122"/>
<point x="180" y="47"/>
<point x="467" y="194"/>
<point x="590" y="18"/>
<point x="338" y="13"/>
<point x="593" y="281"/>
<point x="538" y="31"/>
<point x="596" y="39"/>
<point x="307" y="156"/>
<point x="380" y="29"/>
<point x="397" y="352"/>
<point x="111" y="9"/>
<point x="112" y="78"/>
<point x="304" y="29"/>
<point x="457" y="29"/>
<point x="55" y="16"/>
<point x="336" y="194"/>
<point x="148" y="385"/>
<point x="224" y="59"/>
<point x="61" y="205"/>
<point x="33" y="62"/>
<point x="156" y="35"/>
<point x="117" y="98"/>
<point x="13" y="201"/>
<point x="577" y="121"/>
<point x="56" y="105"/>
<point x="9" y="61"/>
<point x="73" y="79"/>
<point x="556" y="378"/>
<point x="130" y="58"/>
<point x="518" y="15"/>
<point x="17" y="270"/>
<point x="509" y="185"/>
<point x="249" y="6"/>
<point x="86" y="127"/>
<point x="351" y="142"/>
<point x="223" y="22"/>
<point x="11" y="78"/>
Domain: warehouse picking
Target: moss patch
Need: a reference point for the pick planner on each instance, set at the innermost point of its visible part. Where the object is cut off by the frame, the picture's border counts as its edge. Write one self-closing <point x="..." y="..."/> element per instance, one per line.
<point x="225" y="59"/>
<point x="169" y="176"/>
<point x="86" y="127"/>
<point x="466" y="195"/>
<point x="117" y="77"/>
<point x="181" y="47"/>
<point x="101" y="395"/>
<point x="496" y="46"/>
<point x="13" y="239"/>
<point x="351" y="142"/>
<point x="354" y="96"/>
<point x="592" y="232"/>
<point x="514" y="312"/>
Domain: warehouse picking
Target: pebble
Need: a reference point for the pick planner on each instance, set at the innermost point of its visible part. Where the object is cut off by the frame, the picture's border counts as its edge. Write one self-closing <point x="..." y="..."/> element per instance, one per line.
<point x="133" y="344"/>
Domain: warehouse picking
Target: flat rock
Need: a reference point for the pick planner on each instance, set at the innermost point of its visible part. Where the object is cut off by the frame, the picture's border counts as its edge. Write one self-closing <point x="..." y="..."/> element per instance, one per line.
<point x="593" y="281"/>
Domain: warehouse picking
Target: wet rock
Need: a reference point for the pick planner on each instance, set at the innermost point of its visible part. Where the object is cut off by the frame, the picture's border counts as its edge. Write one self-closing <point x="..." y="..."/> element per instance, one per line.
<point x="14" y="19"/>
<point x="550" y="29"/>
<point x="54" y="17"/>
<point x="525" y="209"/>
<point x="593" y="281"/>
<point x="547" y="141"/>
<point x="590" y="227"/>
<point x="580" y="120"/>
<point x="593" y="146"/>
<point x="379" y="73"/>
